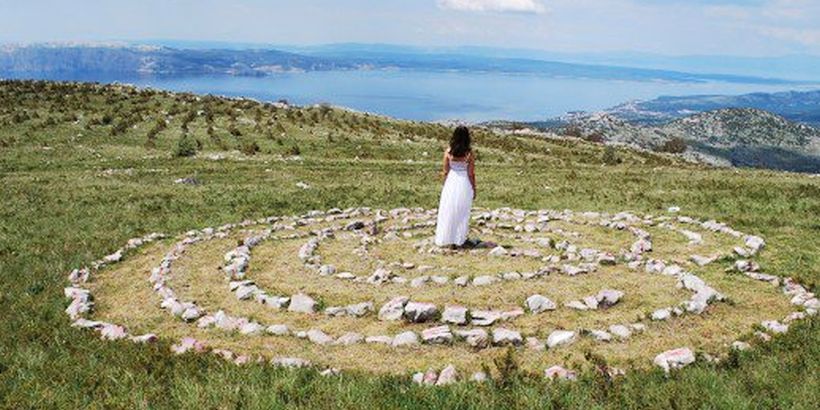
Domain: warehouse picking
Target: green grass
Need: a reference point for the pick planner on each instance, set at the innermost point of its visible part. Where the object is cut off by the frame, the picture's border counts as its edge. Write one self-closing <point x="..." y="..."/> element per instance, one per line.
<point x="62" y="208"/>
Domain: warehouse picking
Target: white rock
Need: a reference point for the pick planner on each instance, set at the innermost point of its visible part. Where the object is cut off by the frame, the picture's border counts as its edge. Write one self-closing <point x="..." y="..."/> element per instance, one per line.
<point x="292" y="362"/>
<point x="558" y="372"/>
<point x="484" y="317"/>
<point x="319" y="337"/>
<point x="251" y="328"/>
<point x="600" y="335"/>
<point x="577" y="305"/>
<point x="405" y="339"/>
<point x="538" y="304"/>
<point x="485" y="280"/>
<point x="302" y="303"/>
<point x="661" y="314"/>
<point x="620" y="331"/>
<point x="419" y="312"/>
<point x="479" y="377"/>
<point x="349" y="338"/>
<point x="447" y="376"/>
<point x="591" y="302"/>
<point x="461" y="281"/>
<point x="359" y="309"/>
<point x="675" y="359"/>
<point x="477" y="338"/>
<point x="774" y="326"/>
<point x="437" y="335"/>
<point x="498" y="251"/>
<point x="506" y="337"/>
<point x="560" y="337"/>
<point x="278" y="330"/>
<point x="385" y="340"/>
<point x="394" y="309"/>
<point x="456" y="315"/>
<point x="740" y="346"/>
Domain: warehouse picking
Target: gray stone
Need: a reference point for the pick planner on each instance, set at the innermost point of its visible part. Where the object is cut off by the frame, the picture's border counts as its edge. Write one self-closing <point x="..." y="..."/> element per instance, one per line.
<point x="302" y="303"/>
<point x="498" y="251"/>
<point x="405" y="339"/>
<point x="620" y="331"/>
<point x="419" y="281"/>
<point x="661" y="314"/>
<point x="609" y="297"/>
<point x="477" y="338"/>
<point x="774" y="326"/>
<point x="559" y="373"/>
<point x="485" y="280"/>
<point x="349" y="338"/>
<point x="394" y="309"/>
<point x="437" y="335"/>
<point x="479" y="377"/>
<point x="560" y="337"/>
<point x="419" y="312"/>
<point x="740" y="346"/>
<point x="461" y="281"/>
<point x="447" y="376"/>
<point x="577" y="305"/>
<point x="600" y="335"/>
<point x="674" y="359"/>
<point x="506" y="337"/>
<point x="319" y="337"/>
<point x="538" y="304"/>
<point x="382" y="339"/>
<point x="484" y="317"/>
<point x="292" y="362"/>
<point x="591" y="302"/>
<point x="456" y="315"/>
<point x="251" y="328"/>
<point x="278" y="330"/>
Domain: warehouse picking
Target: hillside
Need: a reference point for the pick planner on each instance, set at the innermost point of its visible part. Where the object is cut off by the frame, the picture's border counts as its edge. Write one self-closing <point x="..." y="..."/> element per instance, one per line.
<point x="85" y="167"/>
<point x="742" y="137"/>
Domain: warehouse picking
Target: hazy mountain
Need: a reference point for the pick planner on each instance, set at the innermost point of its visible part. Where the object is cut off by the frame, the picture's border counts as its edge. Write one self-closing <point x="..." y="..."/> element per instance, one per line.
<point x="161" y="60"/>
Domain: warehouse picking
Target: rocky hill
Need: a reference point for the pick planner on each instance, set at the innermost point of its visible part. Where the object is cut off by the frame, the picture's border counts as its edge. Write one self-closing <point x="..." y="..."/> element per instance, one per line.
<point x="732" y="136"/>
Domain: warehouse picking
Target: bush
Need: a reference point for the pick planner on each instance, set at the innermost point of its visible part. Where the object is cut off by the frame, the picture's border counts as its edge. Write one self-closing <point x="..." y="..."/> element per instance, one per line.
<point x="186" y="146"/>
<point x="610" y="156"/>
<point x="674" y="145"/>
<point x="596" y="137"/>
<point x="249" y="148"/>
<point x="573" y="131"/>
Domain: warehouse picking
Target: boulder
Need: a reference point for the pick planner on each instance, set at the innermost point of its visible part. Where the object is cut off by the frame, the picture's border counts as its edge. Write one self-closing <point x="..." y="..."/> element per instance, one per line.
<point x="112" y="332"/>
<point x="591" y="302"/>
<point x="674" y="359"/>
<point x="385" y="340"/>
<point x="292" y="362"/>
<point x="577" y="305"/>
<point x="774" y="326"/>
<point x="251" y="328"/>
<point x="359" y="309"/>
<point x="600" y="335"/>
<point x="498" y="251"/>
<point x="661" y="314"/>
<point x="740" y="346"/>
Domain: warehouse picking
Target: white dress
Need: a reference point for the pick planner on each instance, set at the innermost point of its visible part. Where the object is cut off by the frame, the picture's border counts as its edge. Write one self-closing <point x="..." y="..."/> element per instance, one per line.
<point x="454" y="207"/>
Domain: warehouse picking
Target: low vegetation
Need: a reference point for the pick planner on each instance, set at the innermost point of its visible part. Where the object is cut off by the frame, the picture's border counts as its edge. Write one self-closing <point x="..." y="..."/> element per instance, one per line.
<point x="73" y="189"/>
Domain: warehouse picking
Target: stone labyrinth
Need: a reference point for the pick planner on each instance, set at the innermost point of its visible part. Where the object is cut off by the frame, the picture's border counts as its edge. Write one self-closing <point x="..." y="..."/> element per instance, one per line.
<point x="364" y="289"/>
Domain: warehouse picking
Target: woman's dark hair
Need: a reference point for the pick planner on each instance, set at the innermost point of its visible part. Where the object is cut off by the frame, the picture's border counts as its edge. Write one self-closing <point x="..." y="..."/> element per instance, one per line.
<point x="460" y="142"/>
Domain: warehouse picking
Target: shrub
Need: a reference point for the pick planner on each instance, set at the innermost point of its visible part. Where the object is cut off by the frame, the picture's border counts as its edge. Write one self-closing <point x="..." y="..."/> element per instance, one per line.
<point x="596" y="137"/>
<point x="186" y="146"/>
<point x="610" y="156"/>
<point x="249" y="148"/>
<point x="674" y="145"/>
<point x="573" y="131"/>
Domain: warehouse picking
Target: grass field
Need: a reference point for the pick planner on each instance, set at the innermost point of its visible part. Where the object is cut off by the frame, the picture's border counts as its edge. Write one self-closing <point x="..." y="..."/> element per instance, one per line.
<point x="85" y="167"/>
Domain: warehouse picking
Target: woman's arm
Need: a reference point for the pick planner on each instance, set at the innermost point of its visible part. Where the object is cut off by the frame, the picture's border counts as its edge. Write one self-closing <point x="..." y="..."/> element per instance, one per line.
<point x="471" y="172"/>
<point x="446" y="166"/>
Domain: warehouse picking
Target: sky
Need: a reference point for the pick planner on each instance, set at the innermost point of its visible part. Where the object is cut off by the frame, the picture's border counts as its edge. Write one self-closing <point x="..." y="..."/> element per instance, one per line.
<point x="757" y="28"/>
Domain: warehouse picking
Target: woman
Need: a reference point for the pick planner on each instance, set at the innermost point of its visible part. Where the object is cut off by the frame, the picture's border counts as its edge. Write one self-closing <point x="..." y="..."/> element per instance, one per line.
<point x="458" y="192"/>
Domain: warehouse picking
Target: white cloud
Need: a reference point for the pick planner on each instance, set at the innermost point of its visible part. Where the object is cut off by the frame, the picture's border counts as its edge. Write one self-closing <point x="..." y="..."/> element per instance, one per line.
<point x="516" y="6"/>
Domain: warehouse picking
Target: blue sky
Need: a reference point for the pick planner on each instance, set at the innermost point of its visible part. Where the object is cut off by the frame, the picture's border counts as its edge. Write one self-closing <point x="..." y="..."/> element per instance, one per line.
<point x="678" y="27"/>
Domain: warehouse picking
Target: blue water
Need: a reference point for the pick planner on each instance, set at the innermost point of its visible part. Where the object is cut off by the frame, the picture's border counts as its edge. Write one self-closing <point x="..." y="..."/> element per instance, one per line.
<point x="431" y="96"/>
